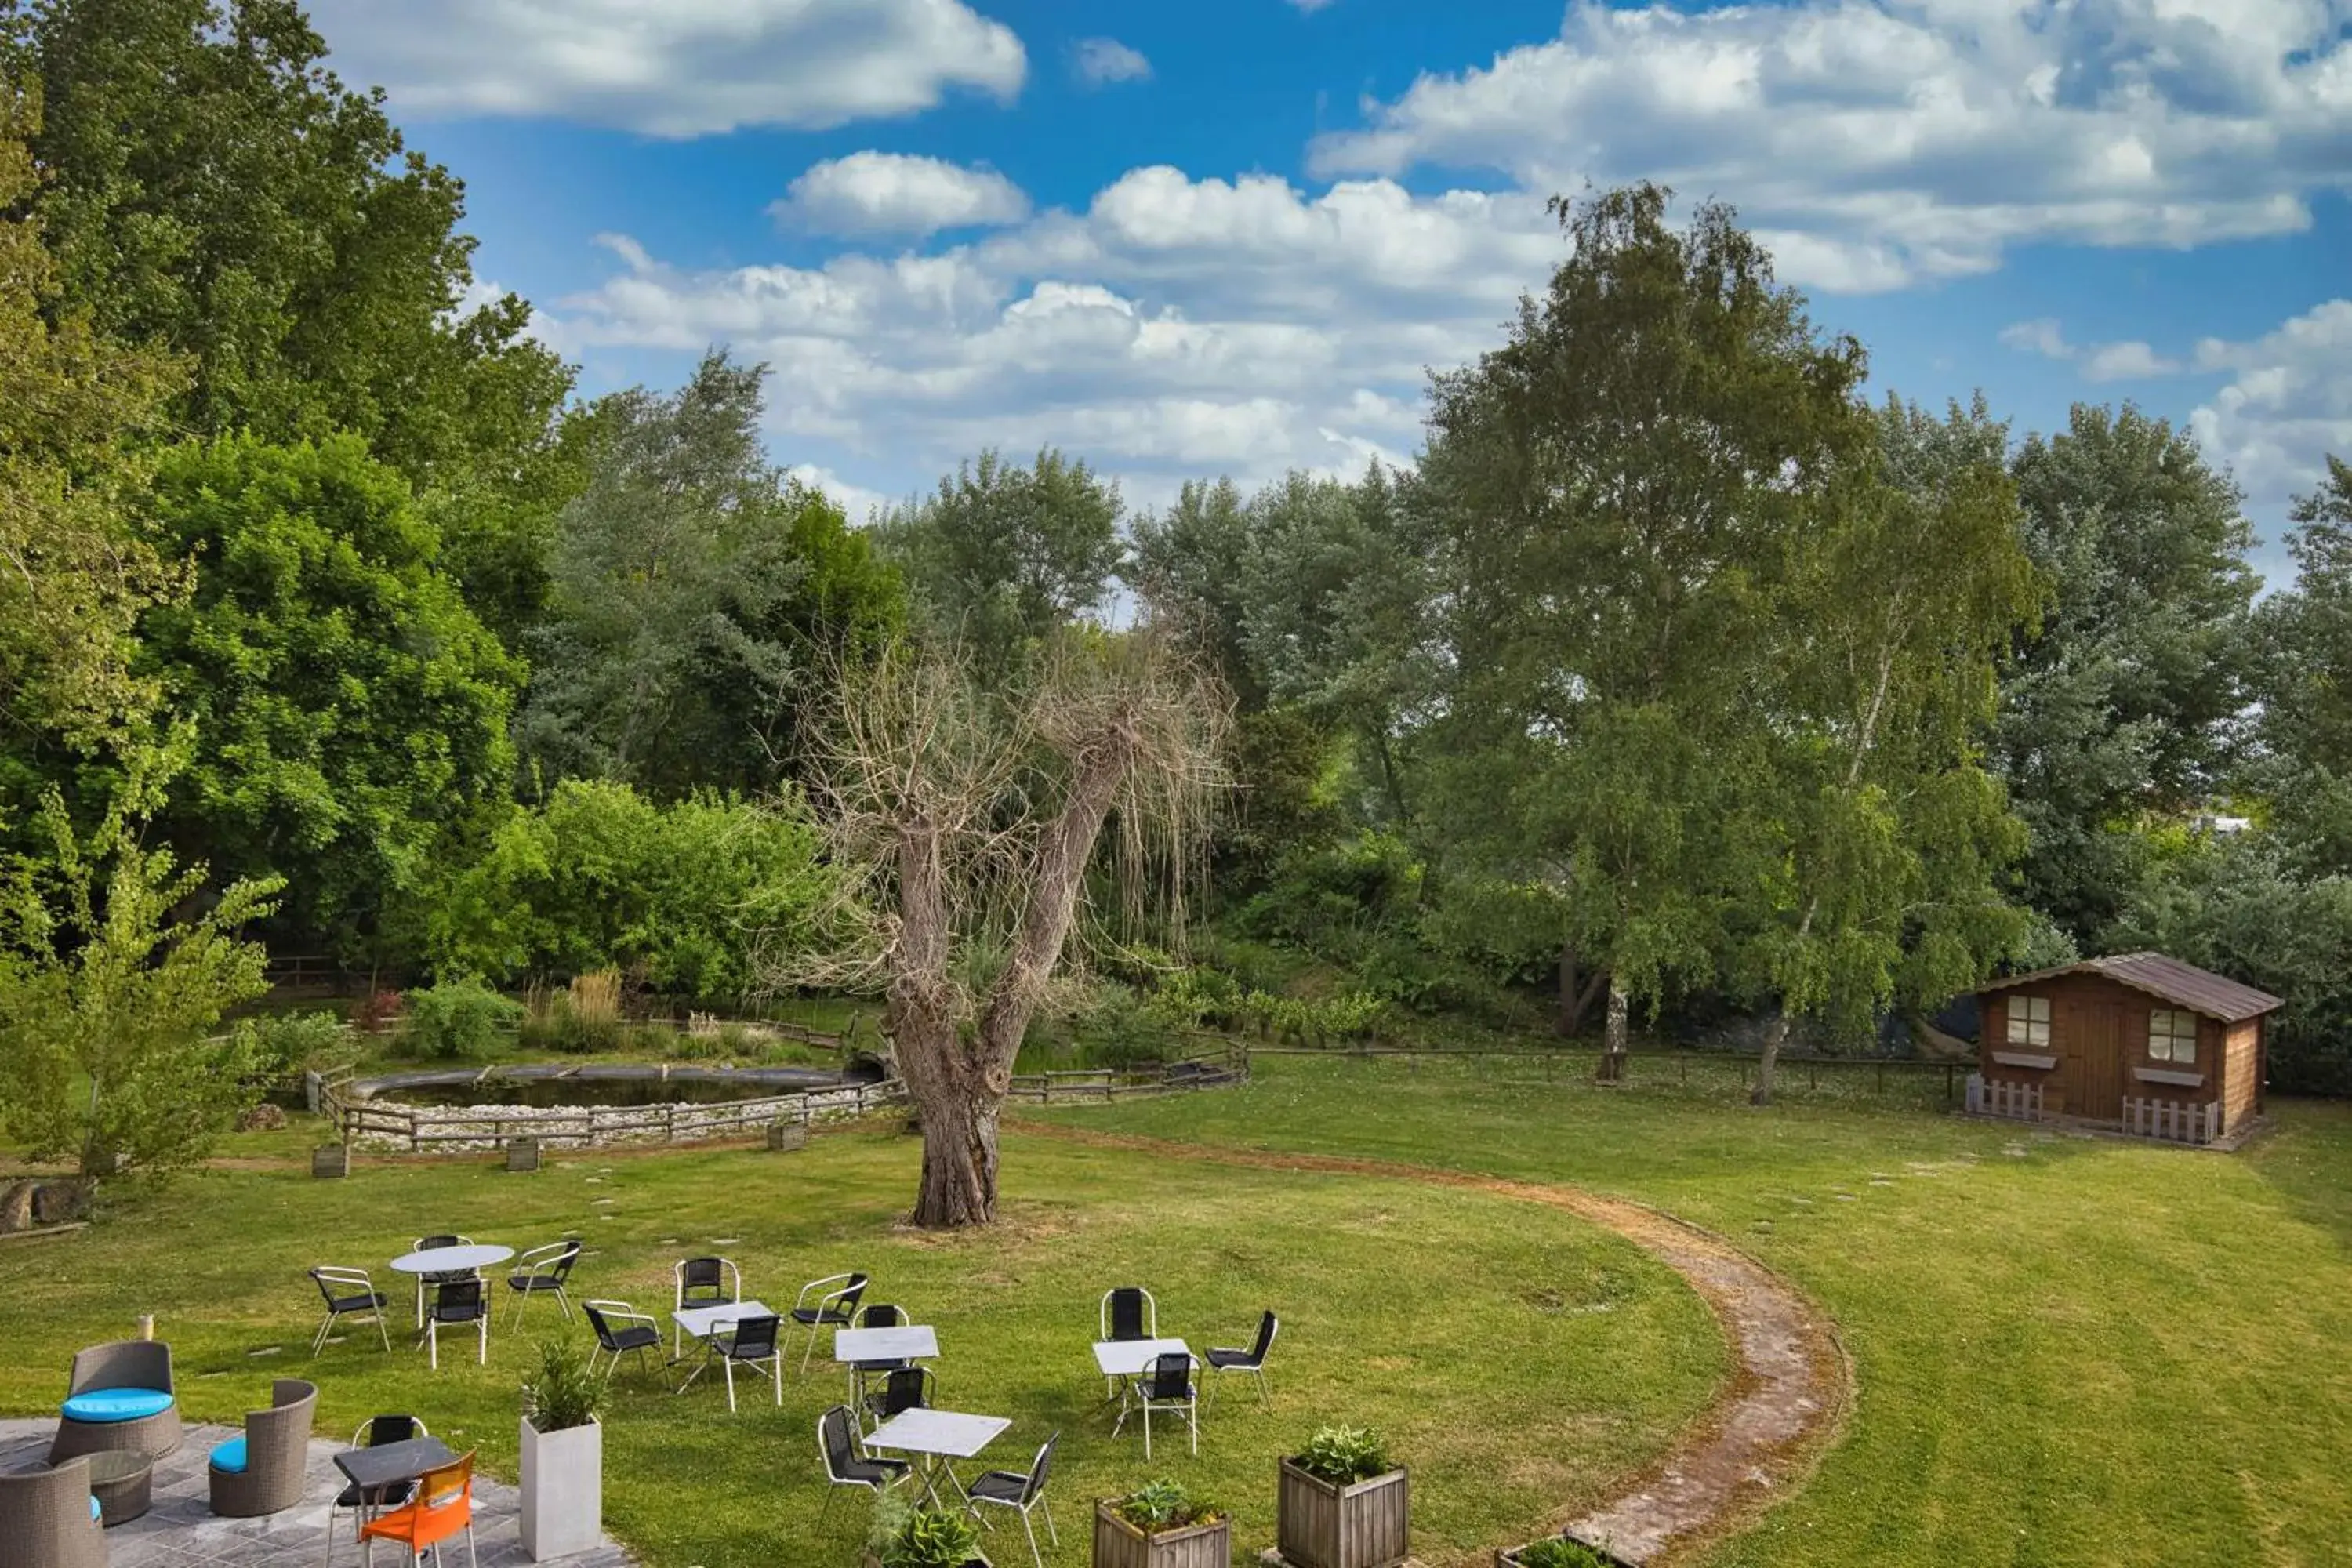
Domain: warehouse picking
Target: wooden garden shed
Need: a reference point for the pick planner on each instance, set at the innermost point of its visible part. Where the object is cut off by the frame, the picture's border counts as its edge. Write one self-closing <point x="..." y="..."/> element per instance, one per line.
<point x="2138" y="1042"/>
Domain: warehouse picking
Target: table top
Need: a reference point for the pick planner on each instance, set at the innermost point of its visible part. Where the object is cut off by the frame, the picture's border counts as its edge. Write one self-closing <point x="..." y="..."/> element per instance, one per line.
<point x="702" y="1320"/>
<point x="908" y="1341"/>
<point x="1132" y="1357"/>
<point x="110" y="1466"/>
<point x="389" y="1463"/>
<point x="948" y="1433"/>
<point x="450" y="1260"/>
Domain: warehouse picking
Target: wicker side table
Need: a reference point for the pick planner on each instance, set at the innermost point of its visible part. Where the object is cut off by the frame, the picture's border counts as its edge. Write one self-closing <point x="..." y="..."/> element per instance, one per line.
<point x="121" y="1479"/>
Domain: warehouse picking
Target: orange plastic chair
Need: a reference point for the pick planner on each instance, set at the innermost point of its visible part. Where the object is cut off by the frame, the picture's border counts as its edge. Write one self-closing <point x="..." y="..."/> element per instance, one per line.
<point x="444" y="1506"/>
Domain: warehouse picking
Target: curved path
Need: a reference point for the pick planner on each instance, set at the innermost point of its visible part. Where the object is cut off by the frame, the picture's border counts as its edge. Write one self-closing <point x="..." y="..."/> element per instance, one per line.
<point x="1790" y="1389"/>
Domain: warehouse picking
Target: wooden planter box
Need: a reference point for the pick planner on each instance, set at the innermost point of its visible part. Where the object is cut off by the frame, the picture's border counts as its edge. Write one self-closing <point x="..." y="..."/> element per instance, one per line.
<point x="787" y="1135"/>
<point x="1318" y="1525"/>
<point x="522" y="1153"/>
<point x="331" y="1160"/>
<point x="1118" y="1544"/>
<point x="1510" y="1559"/>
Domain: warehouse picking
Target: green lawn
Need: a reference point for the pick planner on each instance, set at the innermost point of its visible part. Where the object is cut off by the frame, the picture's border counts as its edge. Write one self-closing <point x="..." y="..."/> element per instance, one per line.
<point x="2069" y="1351"/>
<point x="1445" y="1317"/>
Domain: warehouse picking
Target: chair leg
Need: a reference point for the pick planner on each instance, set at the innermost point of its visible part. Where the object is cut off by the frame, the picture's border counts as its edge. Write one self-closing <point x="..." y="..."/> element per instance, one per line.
<point x="1193" y="1420"/>
<point x="729" y="1367"/>
<point x="1147" y="1428"/>
<point x="1263" y="1397"/>
<point x="1053" y="1534"/>
<point x="319" y="1340"/>
<point x="482" y="1356"/>
<point x="776" y="1366"/>
<point x="473" y="1559"/>
<point x="433" y="1345"/>
<point x="1030" y="1531"/>
<point x="382" y="1327"/>
<point x="562" y="1302"/>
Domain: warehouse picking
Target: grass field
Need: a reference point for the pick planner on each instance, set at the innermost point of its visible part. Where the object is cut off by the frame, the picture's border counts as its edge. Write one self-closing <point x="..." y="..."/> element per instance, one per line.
<point x="2069" y="1351"/>
<point x="1445" y="1318"/>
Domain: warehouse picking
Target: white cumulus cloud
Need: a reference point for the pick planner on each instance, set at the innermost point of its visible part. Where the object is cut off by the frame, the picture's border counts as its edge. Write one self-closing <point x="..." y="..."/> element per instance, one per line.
<point x="2287" y="405"/>
<point x="1875" y="142"/>
<point x="1098" y="62"/>
<point x="2124" y="361"/>
<point x="673" y="68"/>
<point x="899" y="194"/>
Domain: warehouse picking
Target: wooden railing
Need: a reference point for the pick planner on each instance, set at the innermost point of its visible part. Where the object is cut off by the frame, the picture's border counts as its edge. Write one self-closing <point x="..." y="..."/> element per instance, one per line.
<point x="2174" y="1120"/>
<point x="2000" y="1097"/>
<point x="1228" y="1064"/>
<point x="421" y="1128"/>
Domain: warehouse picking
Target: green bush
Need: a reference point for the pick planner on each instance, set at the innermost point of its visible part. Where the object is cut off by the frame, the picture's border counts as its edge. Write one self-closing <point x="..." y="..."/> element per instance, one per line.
<point x="284" y="1044"/>
<point x="1113" y="1028"/>
<point x="928" y="1537"/>
<point x="457" y="1018"/>
<point x="1557" y="1552"/>
<point x="563" y="1393"/>
<point x="1165" y="1504"/>
<point x="1344" y="1456"/>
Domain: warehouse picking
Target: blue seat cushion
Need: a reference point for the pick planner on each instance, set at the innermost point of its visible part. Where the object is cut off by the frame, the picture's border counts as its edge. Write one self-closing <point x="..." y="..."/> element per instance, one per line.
<point x="96" y="1517"/>
<point x="102" y="1405"/>
<point x="229" y="1457"/>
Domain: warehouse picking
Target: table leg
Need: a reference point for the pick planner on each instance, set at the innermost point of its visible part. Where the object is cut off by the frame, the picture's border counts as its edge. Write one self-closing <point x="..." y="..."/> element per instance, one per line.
<point x="699" y="1368"/>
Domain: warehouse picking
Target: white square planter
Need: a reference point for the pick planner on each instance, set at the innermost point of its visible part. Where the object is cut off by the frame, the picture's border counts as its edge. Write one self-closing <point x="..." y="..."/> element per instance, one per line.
<point x="563" y="1489"/>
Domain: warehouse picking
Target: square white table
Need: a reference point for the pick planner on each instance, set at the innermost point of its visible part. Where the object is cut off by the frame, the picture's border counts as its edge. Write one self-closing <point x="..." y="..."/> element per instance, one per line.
<point x="935" y="1436"/>
<point x="911" y="1341"/>
<point x="705" y="1322"/>
<point x="1132" y="1357"/>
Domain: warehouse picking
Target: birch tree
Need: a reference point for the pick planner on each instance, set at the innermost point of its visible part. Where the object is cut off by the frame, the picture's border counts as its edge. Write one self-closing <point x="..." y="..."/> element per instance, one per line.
<point x="965" y="824"/>
<point x="1879" y="835"/>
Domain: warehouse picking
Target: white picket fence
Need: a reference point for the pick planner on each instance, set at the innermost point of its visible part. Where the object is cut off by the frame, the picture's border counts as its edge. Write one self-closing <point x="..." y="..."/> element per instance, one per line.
<point x="2175" y="1120"/>
<point x="2000" y="1097"/>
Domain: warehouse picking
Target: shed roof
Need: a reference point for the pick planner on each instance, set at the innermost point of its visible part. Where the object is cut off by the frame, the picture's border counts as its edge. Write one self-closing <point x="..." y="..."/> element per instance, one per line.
<point x="2182" y="985"/>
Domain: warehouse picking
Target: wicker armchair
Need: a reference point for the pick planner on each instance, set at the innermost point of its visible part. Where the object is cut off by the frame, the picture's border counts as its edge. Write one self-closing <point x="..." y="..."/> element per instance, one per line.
<point x="47" y="1521"/>
<point x="268" y="1461"/>
<point x="124" y="1368"/>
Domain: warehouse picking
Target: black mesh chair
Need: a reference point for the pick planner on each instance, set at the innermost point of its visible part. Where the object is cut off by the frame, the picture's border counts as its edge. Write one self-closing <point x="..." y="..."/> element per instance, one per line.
<point x="702" y="1282"/>
<point x="1169" y="1385"/>
<point x="621" y="1330"/>
<point x="1251" y="1360"/>
<point x="836" y="1441"/>
<point x="827" y="1303"/>
<point x="455" y="1305"/>
<point x="909" y="1388"/>
<point x="447" y="1276"/>
<point x="544" y="1273"/>
<point x="1128" y="1312"/>
<point x="750" y="1341"/>
<point x="1010" y="1488"/>
<point x="349" y="1293"/>
<point x="365" y="1502"/>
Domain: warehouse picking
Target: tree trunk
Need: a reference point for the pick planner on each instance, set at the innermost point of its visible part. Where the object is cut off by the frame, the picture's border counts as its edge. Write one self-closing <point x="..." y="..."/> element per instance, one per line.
<point x="1575" y="1000"/>
<point x="1612" y="1053"/>
<point x="1773" y="1038"/>
<point x="959" y="1161"/>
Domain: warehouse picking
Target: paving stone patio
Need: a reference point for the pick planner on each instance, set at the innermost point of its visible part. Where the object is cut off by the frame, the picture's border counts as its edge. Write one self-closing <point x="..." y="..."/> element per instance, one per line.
<point x="179" y="1531"/>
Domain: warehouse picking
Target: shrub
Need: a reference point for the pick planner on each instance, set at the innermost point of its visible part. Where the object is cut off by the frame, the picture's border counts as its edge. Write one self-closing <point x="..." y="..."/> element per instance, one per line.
<point x="377" y="1012"/>
<point x="563" y="1393"/>
<point x="283" y="1043"/>
<point x="1114" y="1028"/>
<point x="1165" y="1504"/>
<point x="459" y="1017"/>
<point x="1344" y="1456"/>
<point x="1559" y="1552"/>
<point x="928" y="1537"/>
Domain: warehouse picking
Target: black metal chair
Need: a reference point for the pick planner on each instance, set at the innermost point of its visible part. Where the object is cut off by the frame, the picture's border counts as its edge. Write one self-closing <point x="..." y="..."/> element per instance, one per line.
<point x="447" y="1276"/>
<point x="1010" y="1488"/>
<point x="1251" y="1360"/>
<point x="363" y="1501"/>
<point x="456" y="1304"/>
<point x="621" y="1330"/>
<point x="1169" y="1386"/>
<point x="702" y="1282"/>
<point x="875" y="1315"/>
<point x="827" y="1303"/>
<point x="349" y="1293"/>
<point x="544" y="1273"/>
<point x="909" y="1388"/>
<point x="836" y="1441"/>
<point x="1128" y="1312"/>
<point x="750" y="1341"/>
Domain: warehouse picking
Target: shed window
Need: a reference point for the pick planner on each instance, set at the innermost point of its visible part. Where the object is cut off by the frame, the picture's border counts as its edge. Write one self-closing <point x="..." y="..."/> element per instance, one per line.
<point x="2172" y="1036"/>
<point x="2029" y="1021"/>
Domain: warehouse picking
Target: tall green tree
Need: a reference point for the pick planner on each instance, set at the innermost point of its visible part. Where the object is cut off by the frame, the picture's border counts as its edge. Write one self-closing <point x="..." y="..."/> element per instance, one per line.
<point x="78" y="563"/>
<point x="1611" y="493"/>
<point x="349" y="711"/>
<point x="2130" y="698"/>
<point x="2304" y="638"/>
<point x="699" y="598"/>
<point x="1186" y="570"/>
<point x="1003" y="556"/>
<point x="1879" y="841"/>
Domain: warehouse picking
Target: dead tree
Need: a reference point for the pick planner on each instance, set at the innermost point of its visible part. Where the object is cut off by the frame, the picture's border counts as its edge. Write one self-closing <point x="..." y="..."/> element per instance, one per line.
<point x="965" y="824"/>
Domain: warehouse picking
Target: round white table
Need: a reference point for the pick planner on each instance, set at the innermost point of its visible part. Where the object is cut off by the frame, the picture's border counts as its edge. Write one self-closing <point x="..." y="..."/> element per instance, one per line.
<point x="450" y="1260"/>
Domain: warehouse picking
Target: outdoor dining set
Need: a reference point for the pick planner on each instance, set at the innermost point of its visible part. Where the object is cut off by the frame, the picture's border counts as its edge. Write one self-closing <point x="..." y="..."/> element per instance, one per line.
<point x="409" y="1488"/>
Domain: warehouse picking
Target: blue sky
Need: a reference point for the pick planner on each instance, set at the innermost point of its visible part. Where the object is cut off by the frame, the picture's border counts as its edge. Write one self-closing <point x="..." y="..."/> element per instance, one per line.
<point x="1226" y="237"/>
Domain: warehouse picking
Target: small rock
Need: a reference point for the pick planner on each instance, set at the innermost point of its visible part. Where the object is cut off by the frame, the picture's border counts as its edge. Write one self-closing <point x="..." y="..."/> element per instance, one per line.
<point x="263" y="1117"/>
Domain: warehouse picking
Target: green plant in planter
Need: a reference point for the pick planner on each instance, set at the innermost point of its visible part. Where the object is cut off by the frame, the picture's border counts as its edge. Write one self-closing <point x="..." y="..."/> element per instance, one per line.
<point x="1559" y="1552"/>
<point x="562" y="1394"/>
<point x="1163" y="1505"/>
<point x="1344" y="1456"/>
<point x="924" y="1537"/>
